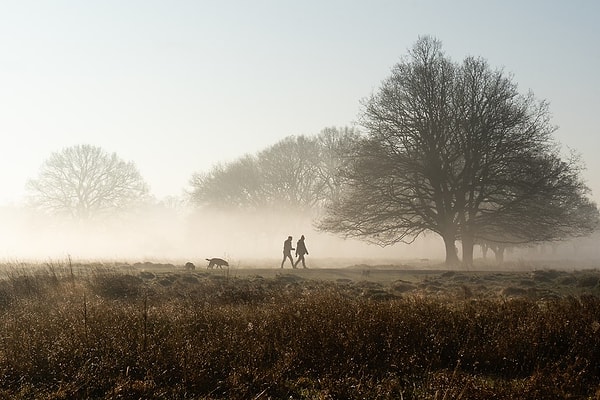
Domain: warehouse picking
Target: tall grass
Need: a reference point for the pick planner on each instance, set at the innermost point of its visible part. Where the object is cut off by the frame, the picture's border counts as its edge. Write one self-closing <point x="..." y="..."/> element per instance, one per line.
<point x="111" y="335"/>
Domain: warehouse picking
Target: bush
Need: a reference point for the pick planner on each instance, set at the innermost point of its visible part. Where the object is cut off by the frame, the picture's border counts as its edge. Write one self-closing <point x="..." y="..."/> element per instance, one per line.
<point x="116" y="286"/>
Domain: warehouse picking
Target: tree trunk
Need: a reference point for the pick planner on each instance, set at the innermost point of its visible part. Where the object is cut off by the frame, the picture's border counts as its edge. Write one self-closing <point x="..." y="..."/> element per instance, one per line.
<point x="451" y="256"/>
<point x="467" y="250"/>
<point x="499" y="252"/>
<point x="484" y="250"/>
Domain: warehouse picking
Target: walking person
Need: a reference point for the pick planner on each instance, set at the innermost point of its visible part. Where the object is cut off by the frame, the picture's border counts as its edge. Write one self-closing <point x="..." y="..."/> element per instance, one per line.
<point x="287" y="251"/>
<point x="300" y="252"/>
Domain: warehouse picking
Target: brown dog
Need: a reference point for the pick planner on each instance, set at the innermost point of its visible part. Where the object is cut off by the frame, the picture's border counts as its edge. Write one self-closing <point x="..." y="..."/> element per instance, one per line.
<point x="190" y="266"/>
<point x="219" y="262"/>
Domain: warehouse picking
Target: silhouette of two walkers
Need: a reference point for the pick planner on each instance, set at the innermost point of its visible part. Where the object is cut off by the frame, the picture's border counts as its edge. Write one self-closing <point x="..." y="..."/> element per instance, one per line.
<point x="301" y="251"/>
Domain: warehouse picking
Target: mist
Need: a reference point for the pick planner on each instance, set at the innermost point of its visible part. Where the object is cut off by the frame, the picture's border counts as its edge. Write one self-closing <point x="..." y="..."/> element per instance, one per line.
<point x="246" y="239"/>
<point x="178" y="235"/>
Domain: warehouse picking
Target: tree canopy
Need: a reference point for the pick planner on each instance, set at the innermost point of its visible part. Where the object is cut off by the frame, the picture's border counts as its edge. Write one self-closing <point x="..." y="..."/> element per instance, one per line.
<point x="298" y="174"/>
<point x="85" y="182"/>
<point x="455" y="149"/>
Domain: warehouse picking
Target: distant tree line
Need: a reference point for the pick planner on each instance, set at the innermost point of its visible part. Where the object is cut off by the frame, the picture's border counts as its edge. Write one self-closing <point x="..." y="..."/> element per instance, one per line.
<point x="296" y="174"/>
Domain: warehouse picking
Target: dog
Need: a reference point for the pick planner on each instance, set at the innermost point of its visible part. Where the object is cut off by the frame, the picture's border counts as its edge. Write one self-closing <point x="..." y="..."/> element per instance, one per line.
<point x="219" y="262"/>
<point x="190" y="266"/>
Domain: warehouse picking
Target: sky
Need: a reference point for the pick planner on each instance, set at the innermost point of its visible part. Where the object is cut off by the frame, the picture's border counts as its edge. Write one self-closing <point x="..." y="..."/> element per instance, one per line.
<point x="178" y="86"/>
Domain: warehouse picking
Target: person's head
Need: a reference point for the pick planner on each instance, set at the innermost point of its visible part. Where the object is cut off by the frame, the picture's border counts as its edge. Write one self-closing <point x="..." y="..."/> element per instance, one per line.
<point x="289" y="238"/>
<point x="302" y="237"/>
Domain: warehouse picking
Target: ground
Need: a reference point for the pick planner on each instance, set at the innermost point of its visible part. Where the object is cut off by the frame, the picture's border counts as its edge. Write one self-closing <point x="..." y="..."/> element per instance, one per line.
<point x="416" y="277"/>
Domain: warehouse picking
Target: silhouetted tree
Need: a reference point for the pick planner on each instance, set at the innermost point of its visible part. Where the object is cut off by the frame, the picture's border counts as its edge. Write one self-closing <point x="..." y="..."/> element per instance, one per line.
<point x="290" y="174"/>
<point x="564" y="214"/>
<point x="455" y="149"/>
<point x="296" y="174"/>
<point x="85" y="181"/>
<point x="334" y="145"/>
<point x="511" y="180"/>
<point x="234" y="185"/>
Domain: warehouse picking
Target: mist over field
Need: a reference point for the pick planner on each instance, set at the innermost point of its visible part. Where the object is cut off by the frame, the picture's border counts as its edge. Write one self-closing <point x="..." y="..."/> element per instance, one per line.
<point x="159" y="235"/>
<point x="245" y="239"/>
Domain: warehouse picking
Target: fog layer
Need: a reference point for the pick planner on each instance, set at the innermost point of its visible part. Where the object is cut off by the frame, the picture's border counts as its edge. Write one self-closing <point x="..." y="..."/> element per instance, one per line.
<point x="168" y="235"/>
<point x="246" y="239"/>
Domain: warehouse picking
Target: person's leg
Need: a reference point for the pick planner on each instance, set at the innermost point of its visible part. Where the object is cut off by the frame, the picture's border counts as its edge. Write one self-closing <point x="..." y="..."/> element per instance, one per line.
<point x="282" y="261"/>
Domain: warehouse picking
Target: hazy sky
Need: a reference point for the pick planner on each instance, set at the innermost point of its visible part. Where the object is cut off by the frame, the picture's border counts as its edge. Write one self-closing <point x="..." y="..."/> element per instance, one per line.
<point x="177" y="86"/>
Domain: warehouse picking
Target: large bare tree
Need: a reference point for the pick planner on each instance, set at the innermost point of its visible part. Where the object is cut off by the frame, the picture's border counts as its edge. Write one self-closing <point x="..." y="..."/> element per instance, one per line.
<point x="455" y="149"/>
<point x="85" y="181"/>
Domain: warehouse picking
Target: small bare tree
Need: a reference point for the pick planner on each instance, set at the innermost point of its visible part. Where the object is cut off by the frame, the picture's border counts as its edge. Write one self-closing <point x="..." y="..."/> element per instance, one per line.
<point x="84" y="182"/>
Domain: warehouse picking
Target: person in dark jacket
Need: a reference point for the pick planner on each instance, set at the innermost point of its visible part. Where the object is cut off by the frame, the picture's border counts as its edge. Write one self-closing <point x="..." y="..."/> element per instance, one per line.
<point x="287" y="251"/>
<point x="300" y="252"/>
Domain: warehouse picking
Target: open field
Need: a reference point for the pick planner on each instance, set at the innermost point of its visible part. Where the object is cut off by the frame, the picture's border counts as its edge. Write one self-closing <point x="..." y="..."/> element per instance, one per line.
<point x="420" y="277"/>
<point x="381" y="331"/>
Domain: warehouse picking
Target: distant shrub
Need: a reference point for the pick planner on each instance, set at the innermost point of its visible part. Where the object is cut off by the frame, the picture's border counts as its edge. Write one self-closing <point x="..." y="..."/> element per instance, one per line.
<point x="402" y="287"/>
<point x="189" y="279"/>
<point x="31" y="283"/>
<point x="588" y="281"/>
<point x="568" y="280"/>
<point x="6" y="295"/>
<point x="147" y="275"/>
<point x="117" y="286"/>
<point x="545" y="275"/>
<point x="513" y="291"/>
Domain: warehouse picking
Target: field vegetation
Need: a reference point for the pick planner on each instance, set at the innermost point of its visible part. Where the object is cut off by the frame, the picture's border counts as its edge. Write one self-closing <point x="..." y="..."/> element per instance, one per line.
<point x="118" y="331"/>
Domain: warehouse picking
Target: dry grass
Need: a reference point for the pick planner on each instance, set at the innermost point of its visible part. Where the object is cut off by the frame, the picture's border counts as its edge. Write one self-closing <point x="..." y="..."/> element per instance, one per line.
<point x="113" y="332"/>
